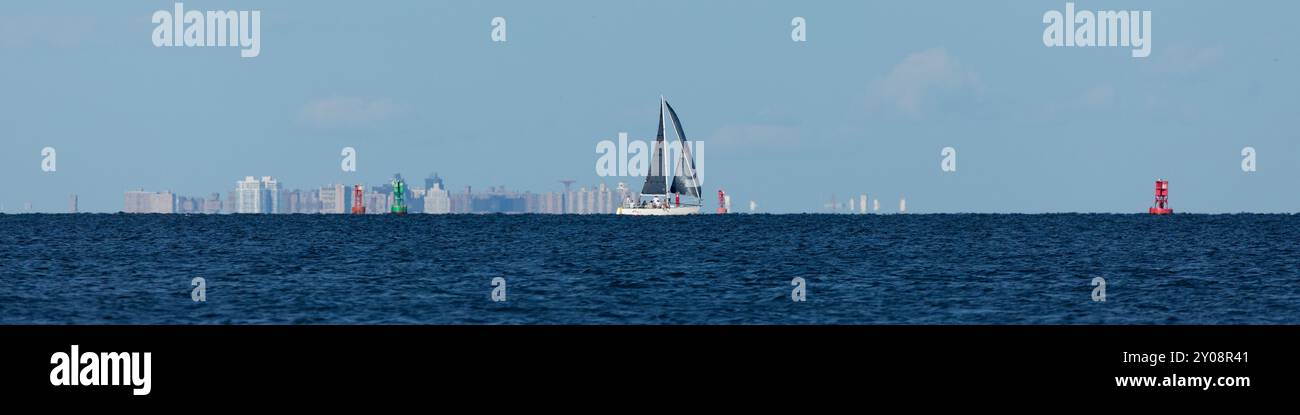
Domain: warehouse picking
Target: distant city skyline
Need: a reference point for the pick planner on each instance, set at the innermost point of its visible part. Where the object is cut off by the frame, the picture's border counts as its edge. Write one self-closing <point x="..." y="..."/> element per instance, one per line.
<point x="266" y="195"/>
<point x="872" y="101"/>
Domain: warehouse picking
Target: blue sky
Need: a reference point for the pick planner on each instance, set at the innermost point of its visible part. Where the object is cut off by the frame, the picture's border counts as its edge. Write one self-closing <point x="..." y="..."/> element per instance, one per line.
<point x="863" y="106"/>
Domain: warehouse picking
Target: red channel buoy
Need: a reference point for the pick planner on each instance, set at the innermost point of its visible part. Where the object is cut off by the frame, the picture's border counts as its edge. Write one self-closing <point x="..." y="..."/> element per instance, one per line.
<point x="1162" y="199"/>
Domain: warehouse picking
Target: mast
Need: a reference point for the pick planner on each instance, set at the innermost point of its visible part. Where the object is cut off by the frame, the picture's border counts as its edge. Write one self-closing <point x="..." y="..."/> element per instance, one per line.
<point x="659" y="142"/>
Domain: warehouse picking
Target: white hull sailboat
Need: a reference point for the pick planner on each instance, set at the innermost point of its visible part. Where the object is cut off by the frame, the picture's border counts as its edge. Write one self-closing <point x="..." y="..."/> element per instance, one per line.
<point x="662" y="211"/>
<point x="664" y="195"/>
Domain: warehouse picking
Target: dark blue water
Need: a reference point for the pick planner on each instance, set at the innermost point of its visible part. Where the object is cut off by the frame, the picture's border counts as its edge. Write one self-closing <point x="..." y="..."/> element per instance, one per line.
<point x="433" y="269"/>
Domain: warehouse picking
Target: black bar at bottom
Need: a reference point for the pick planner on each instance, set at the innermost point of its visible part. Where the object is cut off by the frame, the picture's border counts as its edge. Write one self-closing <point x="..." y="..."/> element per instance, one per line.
<point x="432" y="362"/>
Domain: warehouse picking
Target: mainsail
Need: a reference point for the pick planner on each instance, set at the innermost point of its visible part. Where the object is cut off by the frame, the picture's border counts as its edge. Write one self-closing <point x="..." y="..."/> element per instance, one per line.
<point x="685" y="180"/>
<point x="654" y="179"/>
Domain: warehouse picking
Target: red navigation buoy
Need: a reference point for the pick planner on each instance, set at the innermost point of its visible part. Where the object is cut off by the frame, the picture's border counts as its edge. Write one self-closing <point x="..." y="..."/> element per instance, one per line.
<point x="1162" y="199"/>
<point x="358" y="204"/>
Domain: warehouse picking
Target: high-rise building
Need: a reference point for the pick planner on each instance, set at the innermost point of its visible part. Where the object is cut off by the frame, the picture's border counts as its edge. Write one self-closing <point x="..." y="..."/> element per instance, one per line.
<point x="436" y="199"/>
<point x="72" y="203"/>
<point x="311" y="203"/>
<point x="377" y="202"/>
<point x="291" y="202"/>
<point x="257" y="196"/>
<point x="605" y="199"/>
<point x="282" y="203"/>
<point x="212" y="204"/>
<point x="251" y="198"/>
<point x="461" y="202"/>
<point x="415" y="203"/>
<point x="334" y="199"/>
<point x="231" y="204"/>
<point x="599" y="199"/>
<point x="186" y="205"/>
<point x="555" y="203"/>
<point x="140" y="201"/>
<point x="432" y="180"/>
<point x="497" y="200"/>
<point x="272" y="195"/>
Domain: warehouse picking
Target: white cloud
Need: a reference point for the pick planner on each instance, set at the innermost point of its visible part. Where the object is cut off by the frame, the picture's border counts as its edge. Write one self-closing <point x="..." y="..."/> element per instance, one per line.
<point x="920" y="78"/>
<point x="343" y="111"/>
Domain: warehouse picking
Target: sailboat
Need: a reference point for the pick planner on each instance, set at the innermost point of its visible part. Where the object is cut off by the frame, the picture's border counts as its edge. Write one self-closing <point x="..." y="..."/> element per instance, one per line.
<point x="662" y="195"/>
